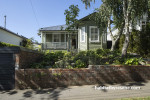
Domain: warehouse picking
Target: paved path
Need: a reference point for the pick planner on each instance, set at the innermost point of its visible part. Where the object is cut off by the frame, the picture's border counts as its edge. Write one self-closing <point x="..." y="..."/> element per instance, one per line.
<point x="87" y="92"/>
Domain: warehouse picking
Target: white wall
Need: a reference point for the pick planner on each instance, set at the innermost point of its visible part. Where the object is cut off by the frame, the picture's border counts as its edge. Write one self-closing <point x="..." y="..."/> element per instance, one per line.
<point x="9" y="38"/>
<point x="114" y="32"/>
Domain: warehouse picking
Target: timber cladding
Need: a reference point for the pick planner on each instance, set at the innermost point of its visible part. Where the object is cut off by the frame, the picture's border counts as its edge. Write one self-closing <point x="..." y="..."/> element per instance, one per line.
<point x="52" y="78"/>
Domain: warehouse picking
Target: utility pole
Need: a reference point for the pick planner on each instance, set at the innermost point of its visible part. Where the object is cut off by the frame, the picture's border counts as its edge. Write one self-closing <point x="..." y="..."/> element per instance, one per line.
<point x="5" y="21"/>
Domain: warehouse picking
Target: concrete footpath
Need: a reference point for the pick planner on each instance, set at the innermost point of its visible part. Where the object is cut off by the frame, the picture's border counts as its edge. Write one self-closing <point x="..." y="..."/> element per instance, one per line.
<point x="87" y="92"/>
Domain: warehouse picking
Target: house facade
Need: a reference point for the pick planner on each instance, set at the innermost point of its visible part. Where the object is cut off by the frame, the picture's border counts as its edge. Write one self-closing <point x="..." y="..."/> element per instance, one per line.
<point x="57" y="38"/>
<point x="10" y="37"/>
<point x="86" y="37"/>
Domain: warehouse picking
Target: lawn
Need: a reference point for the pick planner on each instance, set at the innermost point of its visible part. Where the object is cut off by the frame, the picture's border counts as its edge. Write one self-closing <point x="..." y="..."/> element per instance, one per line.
<point x="137" y="98"/>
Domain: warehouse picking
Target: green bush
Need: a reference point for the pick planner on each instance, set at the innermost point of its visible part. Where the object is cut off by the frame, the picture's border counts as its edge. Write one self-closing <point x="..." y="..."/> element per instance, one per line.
<point x="2" y="44"/>
<point x="128" y="61"/>
<point x="82" y="56"/>
<point x="82" y="59"/>
<point x="103" y="52"/>
<point x="80" y="64"/>
<point x="131" y="61"/>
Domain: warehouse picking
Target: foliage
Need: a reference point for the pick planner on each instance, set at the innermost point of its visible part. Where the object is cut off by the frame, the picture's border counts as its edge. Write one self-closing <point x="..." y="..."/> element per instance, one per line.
<point x="129" y="61"/>
<point x="71" y="17"/>
<point x="49" y="60"/>
<point x="121" y="11"/>
<point x="2" y="44"/>
<point x="132" y="61"/>
<point x="80" y="64"/>
<point x="29" y="44"/>
<point x="82" y="59"/>
<point x="139" y="41"/>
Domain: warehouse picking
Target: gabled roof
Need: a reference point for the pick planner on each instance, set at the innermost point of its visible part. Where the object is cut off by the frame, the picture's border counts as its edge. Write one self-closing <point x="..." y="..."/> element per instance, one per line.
<point x="86" y="17"/>
<point x="63" y="27"/>
<point x="12" y="32"/>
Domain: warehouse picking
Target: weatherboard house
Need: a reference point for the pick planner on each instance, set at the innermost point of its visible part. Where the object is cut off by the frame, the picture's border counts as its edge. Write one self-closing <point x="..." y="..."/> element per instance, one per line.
<point x="86" y="37"/>
<point x="7" y="36"/>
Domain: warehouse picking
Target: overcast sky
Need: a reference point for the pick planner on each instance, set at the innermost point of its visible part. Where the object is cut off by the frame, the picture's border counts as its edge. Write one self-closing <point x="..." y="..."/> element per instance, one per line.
<point x="25" y="17"/>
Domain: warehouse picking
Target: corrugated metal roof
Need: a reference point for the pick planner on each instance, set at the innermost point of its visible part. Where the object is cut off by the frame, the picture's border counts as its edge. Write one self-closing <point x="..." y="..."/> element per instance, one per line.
<point x="12" y="32"/>
<point x="54" y="28"/>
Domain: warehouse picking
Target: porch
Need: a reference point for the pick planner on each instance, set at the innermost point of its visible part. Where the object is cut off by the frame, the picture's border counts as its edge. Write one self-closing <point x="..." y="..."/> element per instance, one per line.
<point x="55" y="45"/>
<point x="59" y="41"/>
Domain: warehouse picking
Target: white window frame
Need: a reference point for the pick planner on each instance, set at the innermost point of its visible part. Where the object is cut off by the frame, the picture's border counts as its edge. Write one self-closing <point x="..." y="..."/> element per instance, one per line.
<point x="82" y="34"/>
<point x="90" y="34"/>
<point x="56" y="34"/>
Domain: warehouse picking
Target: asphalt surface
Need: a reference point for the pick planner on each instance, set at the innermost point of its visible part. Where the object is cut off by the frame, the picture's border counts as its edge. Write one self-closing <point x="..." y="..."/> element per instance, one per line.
<point x="86" y="92"/>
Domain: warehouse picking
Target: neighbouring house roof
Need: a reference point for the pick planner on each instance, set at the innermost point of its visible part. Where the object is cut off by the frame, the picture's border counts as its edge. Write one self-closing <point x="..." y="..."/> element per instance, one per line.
<point x="2" y="28"/>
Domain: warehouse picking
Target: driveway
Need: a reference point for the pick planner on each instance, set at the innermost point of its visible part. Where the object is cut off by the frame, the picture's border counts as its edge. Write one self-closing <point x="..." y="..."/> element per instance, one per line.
<point x="87" y="92"/>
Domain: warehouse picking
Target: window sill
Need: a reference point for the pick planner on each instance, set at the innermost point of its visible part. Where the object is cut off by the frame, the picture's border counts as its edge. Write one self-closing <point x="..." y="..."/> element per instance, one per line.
<point x="94" y="42"/>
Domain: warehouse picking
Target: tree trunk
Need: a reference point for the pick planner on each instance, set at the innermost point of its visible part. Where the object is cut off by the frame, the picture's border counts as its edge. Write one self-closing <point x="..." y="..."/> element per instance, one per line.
<point x="125" y="45"/>
<point x="114" y="43"/>
<point x="126" y="11"/>
<point x="127" y="36"/>
<point x="115" y="40"/>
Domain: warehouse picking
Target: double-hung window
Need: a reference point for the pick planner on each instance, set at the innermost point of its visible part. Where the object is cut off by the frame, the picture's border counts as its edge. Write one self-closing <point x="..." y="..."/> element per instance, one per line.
<point x="82" y="34"/>
<point x="94" y="34"/>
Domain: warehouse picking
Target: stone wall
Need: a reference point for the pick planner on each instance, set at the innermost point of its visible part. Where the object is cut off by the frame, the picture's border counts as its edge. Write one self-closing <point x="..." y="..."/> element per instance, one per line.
<point x="51" y="78"/>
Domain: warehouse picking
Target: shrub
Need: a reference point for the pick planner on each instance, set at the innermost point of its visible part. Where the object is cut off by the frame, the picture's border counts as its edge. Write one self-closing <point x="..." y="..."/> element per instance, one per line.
<point x="80" y="64"/>
<point x="82" y="56"/>
<point x="2" y="44"/>
<point x="82" y="59"/>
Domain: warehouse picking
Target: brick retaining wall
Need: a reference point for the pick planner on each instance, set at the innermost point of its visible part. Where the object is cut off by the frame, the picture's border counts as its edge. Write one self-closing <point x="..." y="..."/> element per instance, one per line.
<point x="50" y="78"/>
<point x="26" y="58"/>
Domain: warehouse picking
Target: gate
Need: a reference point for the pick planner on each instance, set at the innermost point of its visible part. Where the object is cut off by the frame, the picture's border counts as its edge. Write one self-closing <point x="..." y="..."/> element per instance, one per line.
<point x="7" y="71"/>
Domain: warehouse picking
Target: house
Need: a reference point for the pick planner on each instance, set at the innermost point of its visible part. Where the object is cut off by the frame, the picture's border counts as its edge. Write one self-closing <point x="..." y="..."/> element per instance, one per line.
<point x="137" y="26"/>
<point x="36" y="45"/>
<point x="10" y="37"/>
<point x="57" y="38"/>
<point x="86" y="37"/>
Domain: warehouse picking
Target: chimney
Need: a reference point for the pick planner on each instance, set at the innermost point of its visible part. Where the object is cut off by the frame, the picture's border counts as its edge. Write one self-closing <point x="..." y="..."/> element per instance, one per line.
<point x="5" y="21"/>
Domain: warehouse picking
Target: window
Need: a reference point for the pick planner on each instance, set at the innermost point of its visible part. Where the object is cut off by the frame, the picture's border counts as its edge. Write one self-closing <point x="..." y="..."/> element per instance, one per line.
<point x="94" y="34"/>
<point x="56" y="37"/>
<point x="82" y="34"/>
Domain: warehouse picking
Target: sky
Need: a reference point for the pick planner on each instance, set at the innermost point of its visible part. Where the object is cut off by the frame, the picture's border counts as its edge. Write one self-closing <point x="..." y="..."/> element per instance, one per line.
<point x="26" y="17"/>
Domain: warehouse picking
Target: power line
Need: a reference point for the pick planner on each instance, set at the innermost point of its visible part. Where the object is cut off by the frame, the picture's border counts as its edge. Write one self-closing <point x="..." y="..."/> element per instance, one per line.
<point x="34" y="14"/>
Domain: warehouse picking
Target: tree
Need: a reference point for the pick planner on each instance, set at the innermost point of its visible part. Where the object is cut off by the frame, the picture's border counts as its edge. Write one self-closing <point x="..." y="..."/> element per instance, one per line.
<point x="139" y="41"/>
<point x="129" y="11"/>
<point x="71" y="18"/>
<point x="105" y="16"/>
<point x="133" y="10"/>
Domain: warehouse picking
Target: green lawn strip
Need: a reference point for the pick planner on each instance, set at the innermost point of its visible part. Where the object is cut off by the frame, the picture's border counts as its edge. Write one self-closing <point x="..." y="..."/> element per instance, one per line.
<point x="137" y="98"/>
